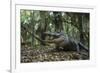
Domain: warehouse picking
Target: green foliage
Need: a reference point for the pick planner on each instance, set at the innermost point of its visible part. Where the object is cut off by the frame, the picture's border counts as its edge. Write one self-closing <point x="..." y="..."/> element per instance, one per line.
<point x="76" y="25"/>
<point x="25" y="16"/>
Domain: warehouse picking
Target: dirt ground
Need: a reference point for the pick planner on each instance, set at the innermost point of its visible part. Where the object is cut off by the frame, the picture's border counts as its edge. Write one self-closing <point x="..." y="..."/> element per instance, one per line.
<point x="43" y="54"/>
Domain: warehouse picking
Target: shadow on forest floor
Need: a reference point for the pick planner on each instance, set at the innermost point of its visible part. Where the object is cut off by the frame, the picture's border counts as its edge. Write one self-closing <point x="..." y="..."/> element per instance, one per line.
<point x="47" y="54"/>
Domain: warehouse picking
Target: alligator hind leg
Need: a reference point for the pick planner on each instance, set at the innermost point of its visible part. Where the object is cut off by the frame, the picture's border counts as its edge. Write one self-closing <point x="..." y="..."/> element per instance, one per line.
<point x="78" y="50"/>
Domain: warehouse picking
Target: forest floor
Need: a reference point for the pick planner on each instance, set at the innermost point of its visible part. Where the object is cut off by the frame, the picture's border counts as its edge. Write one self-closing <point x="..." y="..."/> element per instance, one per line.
<point x="43" y="54"/>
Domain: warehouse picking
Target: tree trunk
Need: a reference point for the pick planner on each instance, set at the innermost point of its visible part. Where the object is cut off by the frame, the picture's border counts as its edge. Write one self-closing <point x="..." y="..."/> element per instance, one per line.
<point x="58" y="21"/>
<point x="80" y="16"/>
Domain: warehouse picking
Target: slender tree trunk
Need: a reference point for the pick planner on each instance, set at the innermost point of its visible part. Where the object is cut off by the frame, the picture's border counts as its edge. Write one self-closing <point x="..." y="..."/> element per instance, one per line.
<point x="80" y="16"/>
<point x="58" y="21"/>
<point x="32" y="28"/>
